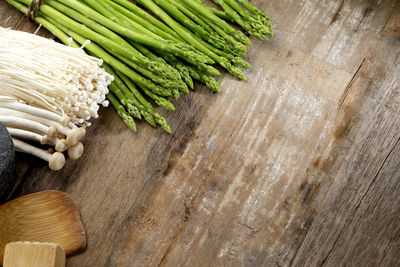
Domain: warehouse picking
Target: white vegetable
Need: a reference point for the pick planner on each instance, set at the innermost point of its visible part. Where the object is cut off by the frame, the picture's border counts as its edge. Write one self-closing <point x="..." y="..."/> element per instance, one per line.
<point x="27" y="135"/>
<point x="76" y="151"/>
<point x="52" y="76"/>
<point x="20" y="123"/>
<point x="73" y="135"/>
<point x="56" y="160"/>
<point x="14" y="103"/>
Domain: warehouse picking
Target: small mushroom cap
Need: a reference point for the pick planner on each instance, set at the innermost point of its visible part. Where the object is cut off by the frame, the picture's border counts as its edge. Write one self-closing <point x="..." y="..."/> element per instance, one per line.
<point x="57" y="161"/>
<point x="76" y="151"/>
<point x="61" y="145"/>
<point x="75" y="135"/>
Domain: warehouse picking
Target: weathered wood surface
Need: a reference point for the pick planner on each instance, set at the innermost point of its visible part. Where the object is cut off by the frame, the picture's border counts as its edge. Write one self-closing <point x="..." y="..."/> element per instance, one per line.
<point x="297" y="166"/>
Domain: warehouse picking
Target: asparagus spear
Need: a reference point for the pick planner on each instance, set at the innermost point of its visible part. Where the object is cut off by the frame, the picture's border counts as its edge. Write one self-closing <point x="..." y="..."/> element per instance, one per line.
<point x="181" y="68"/>
<point x="220" y="14"/>
<point x="114" y="7"/>
<point x="237" y="48"/>
<point x="258" y="13"/>
<point x="210" y="37"/>
<point x="203" y="10"/>
<point x="185" y="34"/>
<point x="172" y="86"/>
<point x="132" y="110"/>
<point x="143" y="14"/>
<point x="161" y="69"/>
<point x="111" y="40"/>
<point x="179" y="49"/>
<point x="179" y="15"/>
<point x="244" y="19"/>
<point x="209" y="81"/>
<point x="121" y="112"/>
<point x="159" y="119"/>
<point x="158" y="71"/>
<point x="120" y="84"/>
<point x="101" y="53"/>
<point x="124" y="20"/>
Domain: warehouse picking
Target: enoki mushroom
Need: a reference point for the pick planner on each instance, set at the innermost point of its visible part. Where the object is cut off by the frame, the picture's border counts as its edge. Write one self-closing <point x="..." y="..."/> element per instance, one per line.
<point x="49" y="92"/>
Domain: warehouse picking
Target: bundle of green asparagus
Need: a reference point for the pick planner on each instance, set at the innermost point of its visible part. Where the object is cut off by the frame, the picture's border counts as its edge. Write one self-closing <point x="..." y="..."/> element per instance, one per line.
<point x="154" y="47"/>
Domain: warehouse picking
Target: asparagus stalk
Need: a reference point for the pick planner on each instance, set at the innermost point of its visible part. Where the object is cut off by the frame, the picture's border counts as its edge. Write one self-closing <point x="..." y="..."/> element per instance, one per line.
<point x="204" y="11"/>
<point x="121" y="112"/>
<point x="132" y="110"/>
<point x="258" y="13"/>
<point x="179" y="49"/>
<point x="244" y="19"/>
<point x="131" y="98"/>
<point x="220" y="14"/>
<point x="188" y="36"/>
<point x="237" y="48"/>
<point x="156" y="67"/>
<point x="143" y="14"/>
<point x="124" y="20"/>
<point x="209" y="81"/>
<point x="181" y="68"/>
<point x="49" y="26"/>
<point x="160" y="101"/>
<point x="116" y="8"/>
<point x="160" y="68"/>
<point x="179" y="15"/>
<point x="209" y="37"/>
<point x="159" y="119"/>
<point x="172" y="86"/>
<point x="100" y="53"/>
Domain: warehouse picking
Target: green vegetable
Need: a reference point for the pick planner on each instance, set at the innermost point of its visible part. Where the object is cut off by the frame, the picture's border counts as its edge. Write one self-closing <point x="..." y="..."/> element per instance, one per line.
<point x="204" y="11"/>
<point x="129" y="121"/>
<point x="155" y="50"/>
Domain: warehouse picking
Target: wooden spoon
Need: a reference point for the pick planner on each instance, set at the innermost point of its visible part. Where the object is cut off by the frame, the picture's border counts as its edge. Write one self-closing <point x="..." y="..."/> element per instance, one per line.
<point x="48" y="216"/>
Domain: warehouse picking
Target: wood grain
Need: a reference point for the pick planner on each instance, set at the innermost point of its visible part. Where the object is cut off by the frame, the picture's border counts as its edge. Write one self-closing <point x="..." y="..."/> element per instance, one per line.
<point x="297" y="166"/>
<point x="27" y="254"/>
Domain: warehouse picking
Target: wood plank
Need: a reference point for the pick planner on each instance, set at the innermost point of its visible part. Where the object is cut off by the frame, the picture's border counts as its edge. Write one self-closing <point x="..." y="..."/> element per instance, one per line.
<point x="244" y="176"/>
<point x="359" y="223"/>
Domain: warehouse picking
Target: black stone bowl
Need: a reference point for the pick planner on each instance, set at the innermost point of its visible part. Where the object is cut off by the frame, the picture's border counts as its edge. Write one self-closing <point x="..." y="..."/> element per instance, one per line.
<point x="7" y="160"/>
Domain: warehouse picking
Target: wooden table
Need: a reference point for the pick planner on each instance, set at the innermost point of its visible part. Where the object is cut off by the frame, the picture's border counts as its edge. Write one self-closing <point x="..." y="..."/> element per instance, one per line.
<point x="297" y="166"/>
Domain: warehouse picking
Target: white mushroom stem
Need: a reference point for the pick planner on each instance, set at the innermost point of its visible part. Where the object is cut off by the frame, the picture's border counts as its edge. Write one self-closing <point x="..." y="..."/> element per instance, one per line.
<point x="60" y="144"/>
<point x="27" y="135"/>
<point x="56" y="160"/>
<point x="20" y="106"/>
<point x="76" y="151"/>
<point x="20" y="123"/>
<point x="73" y="135"/>
<point x="29" y="116"/>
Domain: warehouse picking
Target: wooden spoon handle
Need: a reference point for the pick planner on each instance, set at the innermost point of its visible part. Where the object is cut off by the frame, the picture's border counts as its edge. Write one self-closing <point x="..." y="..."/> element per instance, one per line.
<point x="27" y="254"/>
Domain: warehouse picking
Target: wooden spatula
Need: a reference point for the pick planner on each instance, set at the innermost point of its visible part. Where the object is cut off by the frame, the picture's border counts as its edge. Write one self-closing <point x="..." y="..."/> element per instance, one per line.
<point x="48" y="216"/>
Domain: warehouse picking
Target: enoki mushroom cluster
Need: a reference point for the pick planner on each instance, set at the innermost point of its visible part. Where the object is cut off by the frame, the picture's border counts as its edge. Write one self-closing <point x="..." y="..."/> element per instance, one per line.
<point x="48" y="94"/>
<point x="52" y="76"/>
